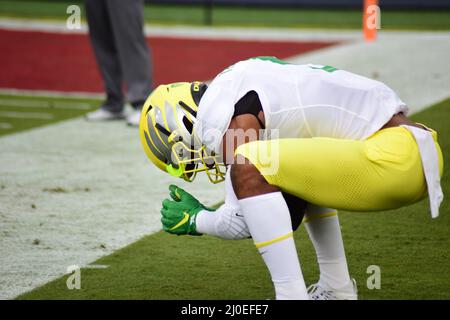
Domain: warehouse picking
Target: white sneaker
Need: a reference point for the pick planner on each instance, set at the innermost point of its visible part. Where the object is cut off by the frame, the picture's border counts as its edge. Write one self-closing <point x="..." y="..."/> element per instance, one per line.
<point x="104" y="115"/>
<point x="134" y="117"/>
<point x="349" y="292"/>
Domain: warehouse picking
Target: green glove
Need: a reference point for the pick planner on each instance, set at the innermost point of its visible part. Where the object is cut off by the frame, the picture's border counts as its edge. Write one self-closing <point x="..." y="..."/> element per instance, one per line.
<point x="179" y="214"/>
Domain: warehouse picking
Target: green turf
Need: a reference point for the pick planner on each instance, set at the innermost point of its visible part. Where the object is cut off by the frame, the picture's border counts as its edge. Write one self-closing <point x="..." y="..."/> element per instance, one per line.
<point x="19" y="113"/>
<point x="247" y="16"/>
<point x="411" y="249"/>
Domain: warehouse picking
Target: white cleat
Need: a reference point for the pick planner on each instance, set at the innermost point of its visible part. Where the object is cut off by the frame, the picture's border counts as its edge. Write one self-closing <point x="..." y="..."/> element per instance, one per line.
<point x="104" y="115"/>
<point x="349" y="292"/>
<point x="133" y="118"/>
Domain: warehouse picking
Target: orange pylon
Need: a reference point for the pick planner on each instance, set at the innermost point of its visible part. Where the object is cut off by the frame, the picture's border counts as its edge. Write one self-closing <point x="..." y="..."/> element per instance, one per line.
<point x="369" y="19"/>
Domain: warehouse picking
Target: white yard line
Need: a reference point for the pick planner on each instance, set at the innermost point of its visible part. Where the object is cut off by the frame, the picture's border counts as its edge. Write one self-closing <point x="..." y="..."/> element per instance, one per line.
<point x="27" y="103"/>
<point x="5" y="125"/>
<point x="26" y="115"/>
<point x="53" y="94"/>
<point x="96" y="266"/>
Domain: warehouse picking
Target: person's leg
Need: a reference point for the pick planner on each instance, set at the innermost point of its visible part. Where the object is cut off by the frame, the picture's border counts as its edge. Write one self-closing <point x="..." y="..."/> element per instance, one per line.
<point x="324" y="230"/>
<point x="268" y="219"/>
<point x="105" y="51"/>
<point x="133" y="52"/>
<point x="380" y="173"/>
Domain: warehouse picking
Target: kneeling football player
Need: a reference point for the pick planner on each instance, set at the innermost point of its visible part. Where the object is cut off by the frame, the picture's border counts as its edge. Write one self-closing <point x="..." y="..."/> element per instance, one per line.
<point x="289" y="133"/>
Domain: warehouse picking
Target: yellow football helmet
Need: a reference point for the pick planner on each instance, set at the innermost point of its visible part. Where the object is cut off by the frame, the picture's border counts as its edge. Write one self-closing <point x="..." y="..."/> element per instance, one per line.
<point x="165" y="128"/>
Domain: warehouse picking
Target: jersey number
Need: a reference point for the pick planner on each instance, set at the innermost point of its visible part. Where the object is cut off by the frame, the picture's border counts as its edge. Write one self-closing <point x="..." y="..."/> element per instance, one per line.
<point x="312" y="66"/>
<point x="279" y="61"/>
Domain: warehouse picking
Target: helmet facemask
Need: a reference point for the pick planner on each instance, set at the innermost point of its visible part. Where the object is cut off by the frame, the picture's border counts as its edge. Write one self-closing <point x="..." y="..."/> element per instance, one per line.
<point x="187" y="161"/>
<point x="189" y="156"/>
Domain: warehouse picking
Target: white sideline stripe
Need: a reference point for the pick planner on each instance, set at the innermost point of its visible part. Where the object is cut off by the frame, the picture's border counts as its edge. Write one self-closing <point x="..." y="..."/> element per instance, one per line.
<point x="21" y="103"/>
<point x="96" y="266"/>
<point x="5" y="125"/>
<point x="252" y="34"/>
<point x="185" y="31"/>
<point x="21" y="24"/>
<point x="235" y="33"/>
<point x="51" y="93"/>
<point x="26" y="115"/>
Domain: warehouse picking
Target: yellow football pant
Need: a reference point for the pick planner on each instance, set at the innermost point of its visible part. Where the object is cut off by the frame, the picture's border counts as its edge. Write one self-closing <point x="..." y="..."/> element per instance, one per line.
<point x="379" y="173"/>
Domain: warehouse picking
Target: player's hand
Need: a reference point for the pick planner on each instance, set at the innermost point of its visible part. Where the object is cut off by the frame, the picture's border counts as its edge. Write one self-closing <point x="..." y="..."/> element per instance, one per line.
<point x="178" y="215"/>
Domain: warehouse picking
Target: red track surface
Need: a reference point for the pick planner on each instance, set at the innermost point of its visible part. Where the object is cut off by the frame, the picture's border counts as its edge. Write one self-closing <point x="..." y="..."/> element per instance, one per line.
<point x="61" y="62"/>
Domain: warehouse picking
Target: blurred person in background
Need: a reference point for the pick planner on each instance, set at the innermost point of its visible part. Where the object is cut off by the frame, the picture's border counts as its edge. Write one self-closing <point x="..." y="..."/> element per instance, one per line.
<point x="116" y="29"/>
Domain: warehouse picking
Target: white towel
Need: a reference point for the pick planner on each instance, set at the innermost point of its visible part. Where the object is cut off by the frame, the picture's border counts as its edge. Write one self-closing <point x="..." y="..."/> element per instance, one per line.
<point x="430" y="164"/>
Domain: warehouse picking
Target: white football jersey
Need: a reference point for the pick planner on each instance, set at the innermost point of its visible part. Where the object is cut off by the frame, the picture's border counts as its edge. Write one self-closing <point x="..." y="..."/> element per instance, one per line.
<point x="300" y="101"/>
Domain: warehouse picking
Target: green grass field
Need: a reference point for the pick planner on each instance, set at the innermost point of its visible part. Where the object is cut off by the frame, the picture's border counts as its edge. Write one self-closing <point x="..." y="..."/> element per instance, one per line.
<point x="246" y="16"/>
<point x="19" y="113"/>
<point x="411" y="249"/>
